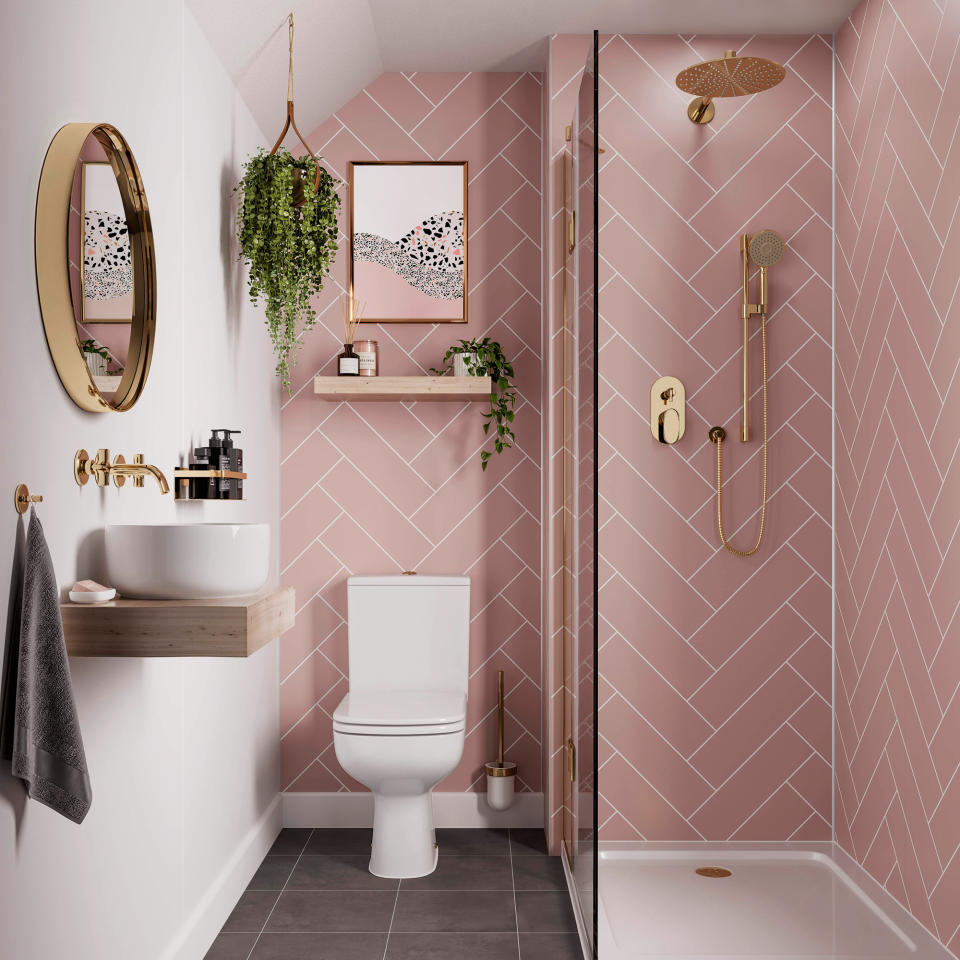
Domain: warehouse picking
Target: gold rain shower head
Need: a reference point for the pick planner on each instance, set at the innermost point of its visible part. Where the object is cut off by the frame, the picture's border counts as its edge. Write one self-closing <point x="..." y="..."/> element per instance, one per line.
<point x="731" y="76"/>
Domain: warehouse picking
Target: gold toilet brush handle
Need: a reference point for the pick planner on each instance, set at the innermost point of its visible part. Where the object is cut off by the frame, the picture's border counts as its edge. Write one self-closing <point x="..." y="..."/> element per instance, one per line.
<point x="500" y="718"/>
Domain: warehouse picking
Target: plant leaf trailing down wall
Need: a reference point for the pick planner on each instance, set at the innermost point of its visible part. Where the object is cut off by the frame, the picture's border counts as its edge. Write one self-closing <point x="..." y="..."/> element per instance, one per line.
<point x="288" y="236"/>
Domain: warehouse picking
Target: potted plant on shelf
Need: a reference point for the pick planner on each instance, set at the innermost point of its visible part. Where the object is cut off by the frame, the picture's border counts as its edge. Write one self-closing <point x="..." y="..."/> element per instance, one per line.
<point x="288" y="235"/>
<point x="481" y="358"/>
<point x="99" y="360"/>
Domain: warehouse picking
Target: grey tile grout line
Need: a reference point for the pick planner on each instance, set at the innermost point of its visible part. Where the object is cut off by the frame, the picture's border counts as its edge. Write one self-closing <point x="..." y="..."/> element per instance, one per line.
<point x="306" y="843"/>
<point x="513" y="884"/>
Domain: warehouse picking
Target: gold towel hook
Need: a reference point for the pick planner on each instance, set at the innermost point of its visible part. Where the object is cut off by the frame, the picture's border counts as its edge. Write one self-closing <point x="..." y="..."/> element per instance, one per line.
<point x="22" y="498"/>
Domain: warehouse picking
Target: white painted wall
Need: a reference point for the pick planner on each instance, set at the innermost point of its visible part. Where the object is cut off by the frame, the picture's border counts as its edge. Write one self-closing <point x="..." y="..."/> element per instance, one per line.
<point x="183" y="754"/>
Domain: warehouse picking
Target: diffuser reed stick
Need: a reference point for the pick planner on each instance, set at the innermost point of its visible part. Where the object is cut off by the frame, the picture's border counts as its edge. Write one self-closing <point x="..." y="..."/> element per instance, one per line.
<point x="352" y="316"/>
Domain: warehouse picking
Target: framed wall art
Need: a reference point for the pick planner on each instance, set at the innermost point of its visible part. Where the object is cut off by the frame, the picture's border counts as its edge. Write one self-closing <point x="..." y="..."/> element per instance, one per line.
<point x="408" y="241"/>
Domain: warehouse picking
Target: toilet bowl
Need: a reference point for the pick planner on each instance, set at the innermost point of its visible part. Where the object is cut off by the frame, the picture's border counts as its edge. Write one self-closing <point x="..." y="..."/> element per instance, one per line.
<point x="401" y="745"/>
<point x="400" y="729"/>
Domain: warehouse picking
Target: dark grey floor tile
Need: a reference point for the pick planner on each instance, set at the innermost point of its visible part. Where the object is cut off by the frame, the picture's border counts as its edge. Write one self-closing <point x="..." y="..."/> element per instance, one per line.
<point x="320" y="946"/>
<point x="290" y="841"/>
<point x="527" y="841"/>
<point x="470" y="842"/>
<point x="538" y="873"/>
<point x="452" y="946"/>
<point x="339" y="872"/>
<point x="312" y="911"/>
<point x="550" y="946"/>
<point x="231" y="946"/>
<point x="465" y="873"/>
<point x="432" y="911"/>
<point x="340" y="840"/>
<point x="272" y="873"/>
<point x="545" y="912"/>
<point x="251" y="911"/>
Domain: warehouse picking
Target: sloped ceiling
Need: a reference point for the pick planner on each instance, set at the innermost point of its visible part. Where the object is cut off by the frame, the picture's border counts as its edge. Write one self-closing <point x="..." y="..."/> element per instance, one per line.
<point x="342" y="45"/>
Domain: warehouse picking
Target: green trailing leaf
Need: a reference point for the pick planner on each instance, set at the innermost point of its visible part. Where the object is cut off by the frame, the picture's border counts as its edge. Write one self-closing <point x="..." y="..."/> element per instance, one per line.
<point x="288" y="248"/>
<point x="490" y="361"/>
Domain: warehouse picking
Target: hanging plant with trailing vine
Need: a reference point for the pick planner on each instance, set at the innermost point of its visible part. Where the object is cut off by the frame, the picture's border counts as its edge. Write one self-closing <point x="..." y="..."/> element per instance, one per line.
<point x="288" y="237"/>
<point x="485" y="358"/>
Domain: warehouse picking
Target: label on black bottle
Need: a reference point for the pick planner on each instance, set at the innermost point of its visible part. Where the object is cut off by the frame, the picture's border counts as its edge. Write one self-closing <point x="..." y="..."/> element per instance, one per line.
<point x="349" y="365"/>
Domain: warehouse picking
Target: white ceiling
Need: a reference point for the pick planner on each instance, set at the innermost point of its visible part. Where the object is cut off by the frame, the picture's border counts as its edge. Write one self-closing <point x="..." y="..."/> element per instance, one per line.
<point x="342" y="45"/>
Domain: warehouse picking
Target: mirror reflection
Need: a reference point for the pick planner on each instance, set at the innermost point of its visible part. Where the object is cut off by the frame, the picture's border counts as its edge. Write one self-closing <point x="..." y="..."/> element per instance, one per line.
<point x="101" y="268"/>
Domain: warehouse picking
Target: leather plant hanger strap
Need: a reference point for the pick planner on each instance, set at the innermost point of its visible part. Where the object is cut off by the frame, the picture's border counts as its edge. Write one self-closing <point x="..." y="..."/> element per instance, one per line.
<point x="290" y="122"/>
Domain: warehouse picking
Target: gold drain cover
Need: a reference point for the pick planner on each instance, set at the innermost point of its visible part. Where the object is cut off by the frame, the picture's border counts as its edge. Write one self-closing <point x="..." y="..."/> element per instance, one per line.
<point x="714" y="873"/>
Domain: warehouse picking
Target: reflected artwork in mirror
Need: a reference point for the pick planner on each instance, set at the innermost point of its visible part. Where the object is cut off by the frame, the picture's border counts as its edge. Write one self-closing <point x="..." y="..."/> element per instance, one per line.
<point x="98" y="301"/>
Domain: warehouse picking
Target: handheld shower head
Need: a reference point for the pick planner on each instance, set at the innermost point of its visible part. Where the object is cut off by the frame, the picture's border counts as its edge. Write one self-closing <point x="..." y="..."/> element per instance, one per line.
<point x="766" y="248"/>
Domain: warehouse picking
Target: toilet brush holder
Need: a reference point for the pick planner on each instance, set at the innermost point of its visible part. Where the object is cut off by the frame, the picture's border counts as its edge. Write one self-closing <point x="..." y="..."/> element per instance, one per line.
<point x="501" y="777"/>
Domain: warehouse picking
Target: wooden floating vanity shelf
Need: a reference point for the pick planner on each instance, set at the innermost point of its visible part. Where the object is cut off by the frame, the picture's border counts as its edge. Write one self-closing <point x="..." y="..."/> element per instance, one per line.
<point x="230" y="627"/>
<point x="402" y="388"/>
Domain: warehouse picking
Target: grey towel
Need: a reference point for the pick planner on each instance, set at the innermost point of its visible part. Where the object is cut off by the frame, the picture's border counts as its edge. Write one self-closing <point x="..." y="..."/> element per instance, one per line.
<point x="47" y="747"/>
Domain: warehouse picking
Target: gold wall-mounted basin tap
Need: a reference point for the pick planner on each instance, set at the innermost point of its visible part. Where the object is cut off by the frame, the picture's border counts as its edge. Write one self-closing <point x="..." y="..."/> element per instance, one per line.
<point x="103" y="471"/>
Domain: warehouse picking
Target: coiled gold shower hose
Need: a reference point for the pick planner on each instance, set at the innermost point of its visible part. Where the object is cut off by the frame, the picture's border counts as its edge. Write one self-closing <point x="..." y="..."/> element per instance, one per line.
<point x="717" y="436"/>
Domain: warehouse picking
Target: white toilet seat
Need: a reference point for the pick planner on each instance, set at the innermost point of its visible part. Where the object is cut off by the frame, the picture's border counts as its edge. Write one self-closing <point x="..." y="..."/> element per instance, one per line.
<point x="407" y="713"/>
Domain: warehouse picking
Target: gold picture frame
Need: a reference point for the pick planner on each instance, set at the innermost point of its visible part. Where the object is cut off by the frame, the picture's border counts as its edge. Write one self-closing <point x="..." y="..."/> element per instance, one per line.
<point x="398" y="221"/>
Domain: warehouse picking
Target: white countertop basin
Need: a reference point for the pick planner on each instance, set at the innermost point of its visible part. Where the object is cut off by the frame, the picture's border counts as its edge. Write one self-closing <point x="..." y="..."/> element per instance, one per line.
<point x="188" y="561"/>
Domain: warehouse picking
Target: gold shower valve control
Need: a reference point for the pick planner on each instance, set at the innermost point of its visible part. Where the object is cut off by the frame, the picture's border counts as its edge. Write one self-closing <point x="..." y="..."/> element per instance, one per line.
<point x="668" y="416"/>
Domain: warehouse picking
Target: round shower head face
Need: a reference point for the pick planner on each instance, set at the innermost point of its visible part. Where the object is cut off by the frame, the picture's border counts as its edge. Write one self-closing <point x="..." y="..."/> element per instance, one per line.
<point x="766" y="248"/>
<point x="730" y="76"/>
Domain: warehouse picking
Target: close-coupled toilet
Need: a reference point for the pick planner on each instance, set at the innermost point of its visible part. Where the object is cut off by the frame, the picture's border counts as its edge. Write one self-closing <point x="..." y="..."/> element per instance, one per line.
<point x="400" y="729"/>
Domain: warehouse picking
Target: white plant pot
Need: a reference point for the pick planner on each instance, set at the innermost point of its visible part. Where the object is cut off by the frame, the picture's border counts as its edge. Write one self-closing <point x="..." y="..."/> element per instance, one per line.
<point x="460" y="365"/>
<point x="96" y="364"/>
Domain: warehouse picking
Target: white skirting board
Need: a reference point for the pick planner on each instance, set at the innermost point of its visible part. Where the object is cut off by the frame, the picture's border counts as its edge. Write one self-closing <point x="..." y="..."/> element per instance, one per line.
<point x="449" y="810"/>
<point x="206" y="918"/>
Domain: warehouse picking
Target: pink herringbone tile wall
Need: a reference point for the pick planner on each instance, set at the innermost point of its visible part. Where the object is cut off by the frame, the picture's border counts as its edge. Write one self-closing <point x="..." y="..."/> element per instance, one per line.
<point x="373" y="488"/>
<point x="715" y="700"/>
<point x="898" y="473"/>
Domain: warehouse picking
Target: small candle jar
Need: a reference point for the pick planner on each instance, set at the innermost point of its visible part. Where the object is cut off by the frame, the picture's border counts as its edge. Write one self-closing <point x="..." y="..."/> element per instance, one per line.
<point x="369" y="357"/>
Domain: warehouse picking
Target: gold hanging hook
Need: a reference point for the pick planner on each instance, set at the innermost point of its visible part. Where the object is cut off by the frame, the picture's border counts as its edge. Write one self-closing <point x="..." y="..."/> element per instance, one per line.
<point x="290" y="122"/>
<point x="290" y="68"/>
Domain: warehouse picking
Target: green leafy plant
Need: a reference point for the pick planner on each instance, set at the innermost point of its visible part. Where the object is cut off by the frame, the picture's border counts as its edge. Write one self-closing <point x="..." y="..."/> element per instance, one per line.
<point x="486" y="358"/>
<point x="92" y="346"/>
<point x="288" y="237"/>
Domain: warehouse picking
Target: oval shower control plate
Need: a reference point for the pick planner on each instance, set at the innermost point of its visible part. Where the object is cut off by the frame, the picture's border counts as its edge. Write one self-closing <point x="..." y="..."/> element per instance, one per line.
<point x="668" y="417"/>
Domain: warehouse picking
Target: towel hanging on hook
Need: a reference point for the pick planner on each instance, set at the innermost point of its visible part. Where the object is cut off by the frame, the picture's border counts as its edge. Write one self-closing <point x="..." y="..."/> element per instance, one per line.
<point x="291" y="122"/>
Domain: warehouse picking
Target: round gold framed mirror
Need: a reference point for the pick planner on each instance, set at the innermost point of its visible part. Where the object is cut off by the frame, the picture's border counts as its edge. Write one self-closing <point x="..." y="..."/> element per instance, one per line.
<point x="96" y="267"/>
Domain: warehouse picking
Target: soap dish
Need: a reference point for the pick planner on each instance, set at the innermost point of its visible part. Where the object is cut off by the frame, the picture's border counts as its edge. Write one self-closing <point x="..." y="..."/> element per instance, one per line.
<point x="92" y="596"/>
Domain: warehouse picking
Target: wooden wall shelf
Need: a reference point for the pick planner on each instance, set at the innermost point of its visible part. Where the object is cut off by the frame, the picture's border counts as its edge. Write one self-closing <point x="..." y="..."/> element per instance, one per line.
<point x="232" y="627"/>
<point x="402" y="388"/>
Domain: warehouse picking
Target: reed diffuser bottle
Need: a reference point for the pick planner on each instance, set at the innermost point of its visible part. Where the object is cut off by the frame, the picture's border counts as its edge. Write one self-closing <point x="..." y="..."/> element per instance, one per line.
<point x="348" y="363"/>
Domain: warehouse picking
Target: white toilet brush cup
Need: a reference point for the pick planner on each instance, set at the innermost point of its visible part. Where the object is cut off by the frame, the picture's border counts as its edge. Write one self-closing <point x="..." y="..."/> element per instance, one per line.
<point x="501" y="777"/>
